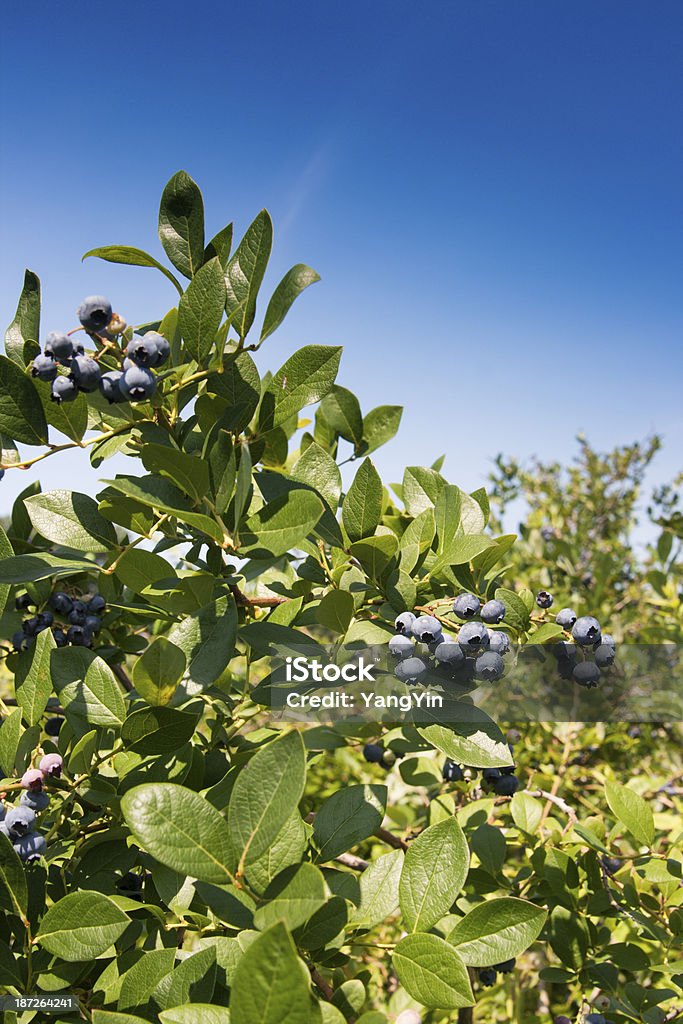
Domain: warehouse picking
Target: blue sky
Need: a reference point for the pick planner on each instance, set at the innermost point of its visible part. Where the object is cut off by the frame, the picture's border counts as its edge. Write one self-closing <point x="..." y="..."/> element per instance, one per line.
<point x="491" y="192"/>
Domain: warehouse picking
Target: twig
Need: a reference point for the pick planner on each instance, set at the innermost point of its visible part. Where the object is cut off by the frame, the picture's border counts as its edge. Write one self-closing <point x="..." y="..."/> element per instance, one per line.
<point x="351" y="861"/>
<point x="321" y="984"/>
<point x="391" y="840"/>
<point x="122" y="676"/>
<point x="255" y="602"/>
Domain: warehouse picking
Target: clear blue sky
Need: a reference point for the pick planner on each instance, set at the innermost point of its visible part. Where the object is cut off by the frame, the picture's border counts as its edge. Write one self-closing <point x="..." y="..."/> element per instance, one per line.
<point x="491" y="192"/>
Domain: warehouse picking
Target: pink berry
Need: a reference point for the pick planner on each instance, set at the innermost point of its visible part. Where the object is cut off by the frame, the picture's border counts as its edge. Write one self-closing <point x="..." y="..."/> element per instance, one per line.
<point x="32" y="780"/>
<point x="52" y="765"/>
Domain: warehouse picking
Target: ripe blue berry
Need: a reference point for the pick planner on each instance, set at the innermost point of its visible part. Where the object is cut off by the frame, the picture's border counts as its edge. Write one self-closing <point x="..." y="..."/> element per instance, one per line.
<point x="473" y="638"/>
<point x="137" y="383"/>
<point x="77" y="616"/>
<point x="610" y="864"/>
<point x="93" y="624"/>
<point x="427" y="629"/>
<point x="61" y="603"/>
<point x="3" y="811"/>
<point x="31" y="847"/>
<point x="608" y="640"/>
<point x="373" y="752"/>
<point x="499" y="642"/>
<point x="491" y="775"/>
<point x="162" y="346"/>
<point x="96" y="605"/>
<point x="506" y="785"/>
<point x="23" y="602"/>
<point x="110" y="387"/>
<point x="505" y="967"/>
<point x="44" y="368"/>
<point x="64" y="389"/>
<point x="45" y="620"/>
<point x="32" y="780"/>
<point x="410" y="669"/>
<point x="466" y="606"/>
<point x="31" y="626"/>
<point x="604" y="656"/>
<point x="493" y="612"/>
<point x="19" y="640"/>
<point x="489" y="666"/>
<point x="487" y="976"/>
<point x="86" y="373"/>
<point x="449" y="652"/>
<point x="142" y="350"/>
<point x="401" y="646"/>
<point x="94" y="313"/>
<point x="451" y="772"/>
<point x="20" y="821"/>
<point x="566" y="618"/>
<point x="544" y="599"/>
<point x="547" y="533"/>
<point x="586" y="673"/>
<point x="78" y="636"/>
<point x="53" y="725"/>
<point x="586" y="631"/>
<point x="60" y="347"/>
<point x="36" y="801"/>
<point x="51" y="765"/>
<point x="404" y="623"/>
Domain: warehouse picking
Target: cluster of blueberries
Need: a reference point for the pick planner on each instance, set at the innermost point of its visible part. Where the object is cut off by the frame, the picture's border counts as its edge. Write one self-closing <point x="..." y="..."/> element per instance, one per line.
<point x="488" y="975"/>
<point x="375" y="753"/>
<point x="590" y="1018"/>
<point x="599" y="649"/>
<point x="134" y="383"/>
<point x="500" y="781"/>
<point x="80" y="620"/>
<point x="18" y="823"/>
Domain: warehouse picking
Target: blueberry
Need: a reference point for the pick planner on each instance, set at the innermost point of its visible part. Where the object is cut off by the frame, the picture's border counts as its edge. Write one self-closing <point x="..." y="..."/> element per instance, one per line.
<point x="565" y="668"/>
<point x="93" y="624"/>
<point x="491" y="775"/>
<point x="449" y="652"/>
<point x="604" y="656"/>
<point x="3" y="811"/>
<point x="94" y="313"/>
<point x="53" y="725"/>
<point x="608" y="640"/>
<point x="77" y="617"/>
<point x="96" y="605"/>
<point x="404" y="623"/>
<point x="51" y="765"/>
<point x="137" y="383"/>
<point x="489" y="666"/>
<point x="544" y="599"/>
<point x="61" y="602"/>
<point x="19" y="640"/>
<point x="505" y="967"/>
<point x="45" y="620"/>
<point x="60" y="636"/>
<point x="547" y="533"/>
<point x="23" y="602"/>
<point x="566" y="618"/>
<point x="586" y="673"/>
<point x="162" y="346"/>
<point x="401" y="646"/>
<point x="31" y="626"/>
<point x="466" y="606"/>
<point x="561" y="1019"/>
<point x="130" y="882"/>
<point x="487" y="976"/>
<point x="493" y="612"/>
<point x="142" y="350"/>
<point x="86" y="373"/>
<point x="44" y="368"/>
<point x="36" y="801"/>
<point x="410" y="669"/>
<point x="507" y="785"/>
<point x="60" y="347"/>
<point x="473" y="638"/>
<point x="110" y="386"/>
<point x="32" y="780"/>
<point x="31" y="847"/>
<point x="64" y="389"/>
<point x="427" y="629"/>
<point x="451" y="772"/>
<point x="610" y="864"/>
<point x="373" y="752"/>
<point x="499" y="642"/>
<point x="20" y="821"/>
<point x="79" y="636"/>
<point x="565" y="651"/>
<point x="80" y="607"/>
<point x="586" y="631"/>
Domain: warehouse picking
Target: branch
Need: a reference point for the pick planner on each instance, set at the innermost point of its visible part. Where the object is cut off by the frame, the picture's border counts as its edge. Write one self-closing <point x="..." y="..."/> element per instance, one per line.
<point x="351" y="861"/>
<point x="122" y="676"/>
<point x="321" y="984"/>
<point x="255" y="602"/>
<point x="391" y="840"/>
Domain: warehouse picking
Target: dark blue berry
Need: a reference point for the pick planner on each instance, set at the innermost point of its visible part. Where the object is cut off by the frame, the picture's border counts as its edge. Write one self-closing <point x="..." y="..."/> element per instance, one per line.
<point x="493" y="612"/>
<point x="61" y="603"/>
<point x="373" y="752"/>
<point x="544" y="599"/>
<point x="64" y="389"/>
<point x="94" y="313"/>
<point x="96" y="605"/>
<point x="60" y="347"/>
<point x="44" y="368"/>
<point x="451" y="772"/>
<point x="137" y="383"/>
<point x="110" y="386"/>
<point x="466" y="606"/>
<point x="86" y="373"/>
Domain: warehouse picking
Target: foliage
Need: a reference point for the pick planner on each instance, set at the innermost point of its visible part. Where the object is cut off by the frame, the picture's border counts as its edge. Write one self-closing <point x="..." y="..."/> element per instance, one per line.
<point x="206" y="863"/>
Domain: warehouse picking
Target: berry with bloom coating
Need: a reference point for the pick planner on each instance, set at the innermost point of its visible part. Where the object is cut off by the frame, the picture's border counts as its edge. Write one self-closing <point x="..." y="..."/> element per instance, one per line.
<point x="451" y="772"/>
<point x="604" y="656"/>
<point x="96" y="605"/>
<point x="373" y="752"/>
<point x="19" y="640"/>
<point x="45" y="620"/>
<point x="23" y="602"/>
<point x="137" y="383"/>
<point x="401" y="646"/>
<point x="20" y="821"/>
<point x="64" y="389"/>
<point x="587" y="674"/>
<point x="466" y="606"/>
<point x="36" y="801"/>
<point x="163" y="347"/>
<point x="489" y="666"/>
<point x="499" y="642"/>
<point x="93" y="624"/>
<point x="608" y="640"/>
<point x="586" y="631"/>
<point x="60" y="347"/>
<point x="44" y="368"/>
<point x="52" y="765"/>
<point x="544" y="599"/>
<point x="52" y="726"/>
<point x="566" y="618"/>
<point x="110" y="386"/>
<point x="60" y="636"/>
<point x="79" y="636"/>
<point x="493" y="612"/>
<point x="142" y="350"/>
<point x="410" y="669"/>
<point x="94" y="313"/>
<point x="427" y="629"/>
<point x="86" y="372"/>
<point x="473" y="638"/>
<point x="31" y="847"/>
<point x="487" y="976"/>
<point x="31" y="626"/>
<point x="507" y="785"/>
<point x="61" y="603"/>
<point x="449" y="652"/>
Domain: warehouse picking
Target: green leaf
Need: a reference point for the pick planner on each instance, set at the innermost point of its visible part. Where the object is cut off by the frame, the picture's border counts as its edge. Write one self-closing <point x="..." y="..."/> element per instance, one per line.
<point x="421" y="489"/>
<point x="526" y="813"/>
<point x="200" y="310"/>
<point x="417" y="539"/>
<point x="548" y="631"/>
<point x="497" y="930"/>
<point x="380" y="425"/>
<point x="632" y="811"/>
<point x="157" y="730"/>
<point x="10" y="734"/>
<point x="379" y="890"/>
<point x="287" y="849"/>
<point x="31" y="568"/>
<point x="281" y="524"/>
<point x="319" y="470"/>
<point x="111" y="1017"/>
<point x="290" y="287"/>
<point x="305" y="378"/>
<point x="432" y="972"/>
<point x="81" y="926"/>
<point x="464" y="548"/>
<point x="220" y="246"/>
<point x="132" y="257"/>
<point x="34" y="686"/>
<point x="196" y="1013"/>
<point x="362" y="506"/>
<point x="245" y="271"/>
<point x="270" y="984"/>
<point x="194" y="980"/>
<point x="346" y="818"/>
<point x="336" y="610"/>
<point x="434" y="872"/>
<point x="87" y="687"/>
<point x="293" y="899"/>
<point x="6" y="551"/>
<point x="21" y="337"/>
<point x="181" y="223"/>
<point x="341" y="410"/>
<point x="72" y="520"/>
<point x="21" y="411"/>
<point x="158" y="671"/>
<point x="239" y="385"/>
<point x="70" y="418"/>
<point x="13" y="889"/>
<point x="188" y="472"/>
<point x="138" y="983"/>
<point x="180" y="829"/>
<point x="478" y="742"/>
<point x="447" y="518"/>
<point x="138" y="568"/>
<point x="159" y="494"/>
<point x="516" y="612"/>
<point x="376" y="554"/>
<point x="265" y="795"/>
<point x="207" y="639"/>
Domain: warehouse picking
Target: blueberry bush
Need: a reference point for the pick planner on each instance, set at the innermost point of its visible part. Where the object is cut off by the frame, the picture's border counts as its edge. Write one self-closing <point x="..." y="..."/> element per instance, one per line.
<point x="170" y="849"/>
